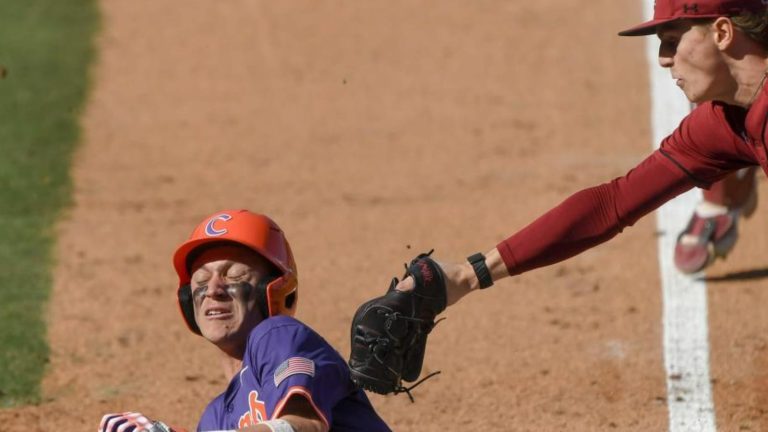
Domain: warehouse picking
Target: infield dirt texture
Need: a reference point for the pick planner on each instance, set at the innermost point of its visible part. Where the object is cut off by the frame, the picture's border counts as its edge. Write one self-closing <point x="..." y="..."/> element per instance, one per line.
<point x="372" y="131"/>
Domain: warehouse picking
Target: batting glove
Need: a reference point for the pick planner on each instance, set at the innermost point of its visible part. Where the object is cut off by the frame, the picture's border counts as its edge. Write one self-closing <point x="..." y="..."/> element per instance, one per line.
<point x="130" y="422"/>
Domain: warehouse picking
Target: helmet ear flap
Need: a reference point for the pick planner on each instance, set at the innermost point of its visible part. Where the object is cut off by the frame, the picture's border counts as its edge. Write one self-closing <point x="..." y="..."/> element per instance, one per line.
<point x="290" y="296"/>
<point x="277" y="295"/>
<point x="187" y="307"/>
<point x="281" y="294"/>
<point x="261" y="295"/>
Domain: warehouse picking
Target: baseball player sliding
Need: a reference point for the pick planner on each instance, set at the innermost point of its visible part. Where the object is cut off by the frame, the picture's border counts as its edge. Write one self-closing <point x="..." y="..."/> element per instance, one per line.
<point x="717" y="53"/>
<point x="238" y="288"/>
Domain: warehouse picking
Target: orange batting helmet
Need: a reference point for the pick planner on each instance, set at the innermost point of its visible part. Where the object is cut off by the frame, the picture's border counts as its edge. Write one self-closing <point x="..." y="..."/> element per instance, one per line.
<point x="257" y="232"/>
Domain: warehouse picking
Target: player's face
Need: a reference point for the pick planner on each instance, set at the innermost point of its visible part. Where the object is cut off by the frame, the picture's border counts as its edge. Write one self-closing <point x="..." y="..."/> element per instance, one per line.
<point x="223" y="284"/>
<point x="690" y="53"/>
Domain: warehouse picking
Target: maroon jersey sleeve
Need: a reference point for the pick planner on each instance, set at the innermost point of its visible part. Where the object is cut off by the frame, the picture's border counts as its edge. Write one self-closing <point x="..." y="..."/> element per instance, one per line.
<point x="708" y="144"/>
<point x="594" y="215"/>
<point x="703" y="149"/>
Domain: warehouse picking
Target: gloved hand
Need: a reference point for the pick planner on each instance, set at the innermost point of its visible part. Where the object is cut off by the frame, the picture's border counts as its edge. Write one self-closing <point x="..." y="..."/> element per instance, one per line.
<point x="389" y="333"/>
<point x="131" y="422"/>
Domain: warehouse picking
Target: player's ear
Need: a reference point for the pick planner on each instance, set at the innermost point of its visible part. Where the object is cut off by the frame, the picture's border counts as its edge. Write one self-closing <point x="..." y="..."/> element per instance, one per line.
<point x="722" y="30"/>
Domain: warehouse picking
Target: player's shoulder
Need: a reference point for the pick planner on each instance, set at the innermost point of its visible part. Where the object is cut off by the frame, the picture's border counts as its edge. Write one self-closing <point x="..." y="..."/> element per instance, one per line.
<point x="714" y="113"/>
<point x="281" y="337"/>
<point x="708" y="111"/>
<point x="713" y="121"/>
<point x="280" y="323"/>
<point x="287" y="329"/>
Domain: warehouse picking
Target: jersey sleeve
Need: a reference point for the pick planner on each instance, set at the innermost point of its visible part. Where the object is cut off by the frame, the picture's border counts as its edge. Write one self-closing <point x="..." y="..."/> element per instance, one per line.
<point x="705" y="146"/>
<point x="593" y="216"/>
<point x="702" y="150"/>
<point x="212" y="419"/>
<point x="294" y="360"/>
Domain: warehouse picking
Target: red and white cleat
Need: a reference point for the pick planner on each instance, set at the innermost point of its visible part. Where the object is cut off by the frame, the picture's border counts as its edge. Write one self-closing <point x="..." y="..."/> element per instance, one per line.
<point x="706" y="239"/>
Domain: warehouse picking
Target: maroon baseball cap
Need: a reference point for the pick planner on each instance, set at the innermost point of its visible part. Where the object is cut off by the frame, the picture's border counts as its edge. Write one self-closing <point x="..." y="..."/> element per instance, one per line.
<point x="665" y="11"/>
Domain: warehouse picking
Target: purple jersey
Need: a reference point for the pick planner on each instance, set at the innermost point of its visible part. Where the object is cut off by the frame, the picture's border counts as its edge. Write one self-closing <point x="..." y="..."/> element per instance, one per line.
<point x="284" y="357"/>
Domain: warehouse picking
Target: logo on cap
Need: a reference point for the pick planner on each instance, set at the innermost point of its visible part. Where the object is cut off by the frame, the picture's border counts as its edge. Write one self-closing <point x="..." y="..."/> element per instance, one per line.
<point x="690" y="8"/>
<point x="210" y="229"/>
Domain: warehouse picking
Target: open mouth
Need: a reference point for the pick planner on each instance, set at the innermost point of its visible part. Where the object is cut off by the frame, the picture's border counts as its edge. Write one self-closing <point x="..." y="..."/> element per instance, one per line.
<point x="218" y="313"/>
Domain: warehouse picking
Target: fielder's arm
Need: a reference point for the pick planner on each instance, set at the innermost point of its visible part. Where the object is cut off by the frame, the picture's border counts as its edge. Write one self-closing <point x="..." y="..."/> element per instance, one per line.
<point x="461" y="279"/>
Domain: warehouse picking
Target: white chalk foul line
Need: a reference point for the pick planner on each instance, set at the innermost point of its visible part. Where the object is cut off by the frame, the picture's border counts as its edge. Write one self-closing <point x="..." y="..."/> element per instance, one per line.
<point x="686" y="345"/>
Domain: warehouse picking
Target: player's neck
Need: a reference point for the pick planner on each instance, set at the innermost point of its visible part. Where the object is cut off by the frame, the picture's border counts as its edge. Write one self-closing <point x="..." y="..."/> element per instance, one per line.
<point x="749" y="75"/>
<point x="230" y="365"/>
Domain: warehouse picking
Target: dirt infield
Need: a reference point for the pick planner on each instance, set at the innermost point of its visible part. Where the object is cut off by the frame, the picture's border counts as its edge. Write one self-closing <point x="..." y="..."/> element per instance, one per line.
<point x="372" y="131"/>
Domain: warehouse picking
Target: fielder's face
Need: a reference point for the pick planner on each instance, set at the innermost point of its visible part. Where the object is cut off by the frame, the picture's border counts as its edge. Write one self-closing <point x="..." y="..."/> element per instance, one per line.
<point x="225" y="311"/>
<point x="692" y="55"/>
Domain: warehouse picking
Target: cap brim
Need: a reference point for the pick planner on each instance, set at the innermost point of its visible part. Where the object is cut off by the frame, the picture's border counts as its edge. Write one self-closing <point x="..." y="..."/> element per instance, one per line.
<point x="645" y="29"/>
<point x="651" y="27"/>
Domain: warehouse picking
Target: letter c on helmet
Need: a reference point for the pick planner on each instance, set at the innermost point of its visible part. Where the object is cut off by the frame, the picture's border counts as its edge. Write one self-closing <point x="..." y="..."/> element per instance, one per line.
<point x="210" y="229"/>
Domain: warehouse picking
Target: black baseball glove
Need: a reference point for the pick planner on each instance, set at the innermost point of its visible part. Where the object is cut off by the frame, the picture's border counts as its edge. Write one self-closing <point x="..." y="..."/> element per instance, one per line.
<point x="389" y="333"/>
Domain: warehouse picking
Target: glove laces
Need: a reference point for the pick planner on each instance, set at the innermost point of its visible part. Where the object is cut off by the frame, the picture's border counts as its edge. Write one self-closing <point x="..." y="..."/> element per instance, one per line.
<point x="407" y="390"/>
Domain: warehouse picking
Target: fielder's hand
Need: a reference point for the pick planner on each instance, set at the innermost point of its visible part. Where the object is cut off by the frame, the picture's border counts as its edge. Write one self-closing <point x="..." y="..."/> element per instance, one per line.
<point x="458" y="281"/>
<point x="131" y="422"/>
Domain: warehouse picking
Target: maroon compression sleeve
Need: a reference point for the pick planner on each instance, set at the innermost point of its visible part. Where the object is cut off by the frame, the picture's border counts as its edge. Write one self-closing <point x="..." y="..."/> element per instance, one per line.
<point x="593" y="216"/>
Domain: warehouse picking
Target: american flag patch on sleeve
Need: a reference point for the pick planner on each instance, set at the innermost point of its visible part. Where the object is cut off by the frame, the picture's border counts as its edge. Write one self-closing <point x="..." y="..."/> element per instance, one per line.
<point x="293" y="366"/>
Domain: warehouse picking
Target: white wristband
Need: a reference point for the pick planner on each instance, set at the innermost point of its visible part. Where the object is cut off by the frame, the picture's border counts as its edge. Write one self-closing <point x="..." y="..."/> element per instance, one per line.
<point x="278" y="425"/>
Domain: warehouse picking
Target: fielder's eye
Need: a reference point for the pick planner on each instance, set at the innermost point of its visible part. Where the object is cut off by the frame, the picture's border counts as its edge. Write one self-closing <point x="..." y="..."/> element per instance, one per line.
<point x="669" y="43"/>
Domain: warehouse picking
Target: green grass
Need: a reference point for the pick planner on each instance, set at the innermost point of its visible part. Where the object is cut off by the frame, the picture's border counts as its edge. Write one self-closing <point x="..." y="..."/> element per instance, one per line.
<point x="46" y="47"/>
